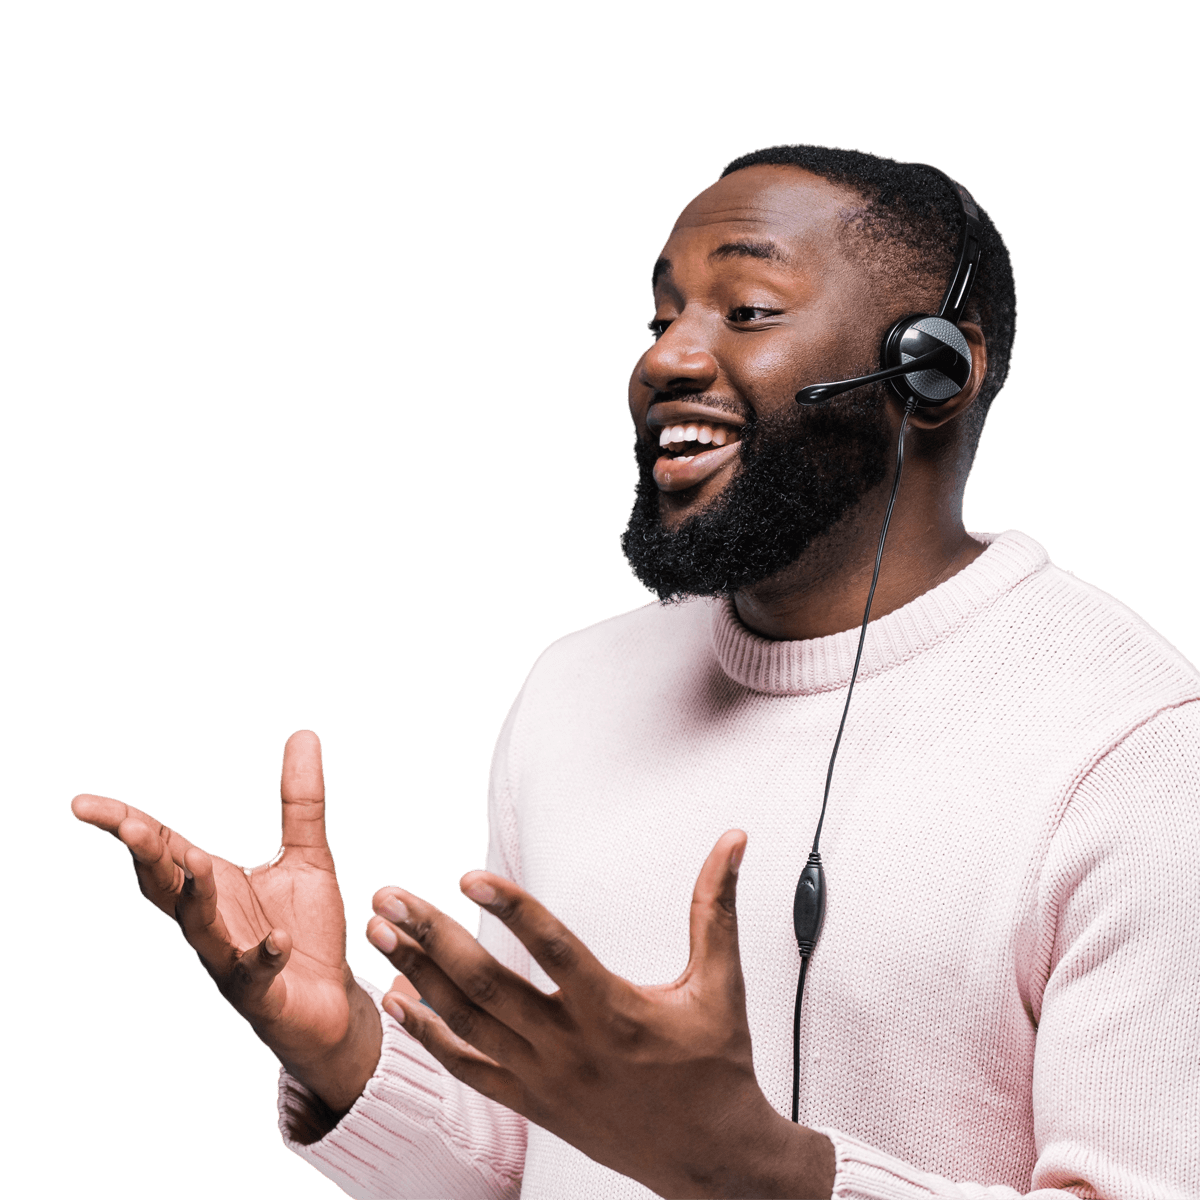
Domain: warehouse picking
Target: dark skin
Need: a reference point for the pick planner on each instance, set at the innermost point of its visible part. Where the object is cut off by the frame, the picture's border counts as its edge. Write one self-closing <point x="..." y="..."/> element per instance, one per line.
<point x="816" y="316"/>
<point x="655" y="1082"/>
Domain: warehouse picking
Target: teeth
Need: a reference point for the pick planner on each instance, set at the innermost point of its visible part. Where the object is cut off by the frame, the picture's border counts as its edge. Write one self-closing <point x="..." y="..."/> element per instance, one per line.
<point x="677" y="437"/>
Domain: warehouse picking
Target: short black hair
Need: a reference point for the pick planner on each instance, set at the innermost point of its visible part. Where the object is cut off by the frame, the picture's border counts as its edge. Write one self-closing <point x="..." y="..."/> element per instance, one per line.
<point x="913" y="215"/>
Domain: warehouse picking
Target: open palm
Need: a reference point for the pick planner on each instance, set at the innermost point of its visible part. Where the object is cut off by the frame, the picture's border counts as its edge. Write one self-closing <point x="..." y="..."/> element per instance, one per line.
<point x="272" y="938"/>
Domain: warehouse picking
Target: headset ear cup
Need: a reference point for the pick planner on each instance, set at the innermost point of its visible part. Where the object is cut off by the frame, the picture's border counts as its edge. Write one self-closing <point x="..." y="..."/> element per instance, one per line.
<point x="915" y="335"/>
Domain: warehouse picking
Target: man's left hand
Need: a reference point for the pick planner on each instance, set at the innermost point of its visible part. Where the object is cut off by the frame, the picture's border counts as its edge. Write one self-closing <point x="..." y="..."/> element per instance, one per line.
<point x="655" y="1082"/>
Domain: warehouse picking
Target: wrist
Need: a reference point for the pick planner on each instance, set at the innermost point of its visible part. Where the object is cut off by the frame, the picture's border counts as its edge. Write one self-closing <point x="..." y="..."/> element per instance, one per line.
<point x="806" y="1163"/>
<point x="338" y="1074"/>
<point x="763" y="1155"/>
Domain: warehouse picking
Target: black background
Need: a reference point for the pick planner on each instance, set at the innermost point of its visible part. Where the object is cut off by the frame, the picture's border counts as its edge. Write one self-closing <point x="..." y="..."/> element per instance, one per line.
<point x="345" y="447"/>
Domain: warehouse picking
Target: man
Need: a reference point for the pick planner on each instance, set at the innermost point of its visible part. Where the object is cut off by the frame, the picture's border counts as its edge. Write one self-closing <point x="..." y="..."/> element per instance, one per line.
<point x="1002" y="999"/>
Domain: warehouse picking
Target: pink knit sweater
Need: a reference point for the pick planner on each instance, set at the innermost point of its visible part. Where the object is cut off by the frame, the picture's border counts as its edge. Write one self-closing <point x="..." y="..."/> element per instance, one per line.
<point x="1005" y="997"/>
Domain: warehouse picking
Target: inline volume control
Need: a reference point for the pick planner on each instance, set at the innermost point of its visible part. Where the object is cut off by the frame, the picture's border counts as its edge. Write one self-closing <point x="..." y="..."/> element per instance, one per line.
<point x="808" y="908"/>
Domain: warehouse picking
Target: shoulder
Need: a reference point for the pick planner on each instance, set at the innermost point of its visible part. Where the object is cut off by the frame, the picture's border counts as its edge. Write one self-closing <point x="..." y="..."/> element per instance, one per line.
<point x="619" y="673"/>
<point x="1068" y="633"/>
<point x="605" y="685"/>
<point x="654" y="636"/>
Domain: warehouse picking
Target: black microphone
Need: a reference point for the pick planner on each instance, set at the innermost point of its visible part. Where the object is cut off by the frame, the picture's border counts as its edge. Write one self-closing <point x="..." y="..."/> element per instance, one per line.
<point x="944" y="359"/>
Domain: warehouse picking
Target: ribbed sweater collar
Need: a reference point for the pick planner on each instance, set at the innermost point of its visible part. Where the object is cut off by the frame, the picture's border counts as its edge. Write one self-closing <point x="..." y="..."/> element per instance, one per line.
<point x="824" y="664"/>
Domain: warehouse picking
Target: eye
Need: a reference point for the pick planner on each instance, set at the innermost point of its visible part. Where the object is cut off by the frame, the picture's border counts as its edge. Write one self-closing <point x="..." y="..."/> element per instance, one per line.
<point x="746" y="314"/>
<point x="658" y="328"/>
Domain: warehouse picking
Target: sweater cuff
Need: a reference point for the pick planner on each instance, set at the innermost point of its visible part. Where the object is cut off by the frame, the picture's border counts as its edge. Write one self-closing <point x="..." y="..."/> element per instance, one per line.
<point x="395" y="1142"/>
<point x="864" y="1173"/>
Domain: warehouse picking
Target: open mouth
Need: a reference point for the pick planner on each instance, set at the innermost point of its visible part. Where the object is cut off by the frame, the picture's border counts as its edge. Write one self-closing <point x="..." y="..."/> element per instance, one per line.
<point x="687" y="440"/>
<point x="695" y="442"/>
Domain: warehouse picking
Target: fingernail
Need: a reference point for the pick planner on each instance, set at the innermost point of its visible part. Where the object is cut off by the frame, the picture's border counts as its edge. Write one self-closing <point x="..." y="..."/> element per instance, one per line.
<point x="394" y="1008"/>
<point x="394" y="909"/>
<point x="481" y="893"/>
<point x="188" y="875"/>
<point x="272" y="949"/>
<point x="735" y="858"/>
<point x="382" y="937"/>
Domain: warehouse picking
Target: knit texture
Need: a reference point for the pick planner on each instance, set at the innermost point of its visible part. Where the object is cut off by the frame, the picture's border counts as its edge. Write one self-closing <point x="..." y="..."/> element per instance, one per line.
<point x="1003" y="1002"/>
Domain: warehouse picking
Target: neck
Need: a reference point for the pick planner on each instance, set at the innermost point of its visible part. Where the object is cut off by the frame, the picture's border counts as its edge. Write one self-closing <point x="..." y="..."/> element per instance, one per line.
<point x="825" y="590"/>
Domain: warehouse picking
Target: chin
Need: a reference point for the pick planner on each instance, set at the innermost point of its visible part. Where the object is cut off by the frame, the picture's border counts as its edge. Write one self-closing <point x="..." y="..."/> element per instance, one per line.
<point x="676" y="507"/>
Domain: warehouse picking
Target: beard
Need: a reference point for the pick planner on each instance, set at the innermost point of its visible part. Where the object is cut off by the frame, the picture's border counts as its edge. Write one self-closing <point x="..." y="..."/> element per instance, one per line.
<point x="801" y="473"/>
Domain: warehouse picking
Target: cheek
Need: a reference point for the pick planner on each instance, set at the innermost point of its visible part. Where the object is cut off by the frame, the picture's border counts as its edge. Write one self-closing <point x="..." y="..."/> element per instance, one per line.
<point x="766" y="370"/>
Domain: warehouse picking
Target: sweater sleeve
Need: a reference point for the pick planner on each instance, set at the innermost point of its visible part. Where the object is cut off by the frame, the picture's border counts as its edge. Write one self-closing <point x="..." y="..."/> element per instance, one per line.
<point x="416" y="1131"/>
<point x="1116" y="1082"/>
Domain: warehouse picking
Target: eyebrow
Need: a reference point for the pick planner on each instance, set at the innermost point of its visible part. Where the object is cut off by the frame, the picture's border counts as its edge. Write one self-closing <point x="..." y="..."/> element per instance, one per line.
<point x="745" y="248"/>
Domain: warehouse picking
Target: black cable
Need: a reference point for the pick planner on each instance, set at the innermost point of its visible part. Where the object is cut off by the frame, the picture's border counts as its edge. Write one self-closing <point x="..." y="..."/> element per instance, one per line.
<point x="862" y="635"/>
<point x="796" y="1042"/>
<point x="809" y="915"/>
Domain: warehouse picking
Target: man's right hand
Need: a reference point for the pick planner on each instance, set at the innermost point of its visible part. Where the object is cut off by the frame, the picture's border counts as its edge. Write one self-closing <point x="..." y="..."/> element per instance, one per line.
<point x="273" y="938"/>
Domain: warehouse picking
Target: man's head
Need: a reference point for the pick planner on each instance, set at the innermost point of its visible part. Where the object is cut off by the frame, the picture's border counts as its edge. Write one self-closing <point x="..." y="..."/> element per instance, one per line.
<point x="787" y="272"/>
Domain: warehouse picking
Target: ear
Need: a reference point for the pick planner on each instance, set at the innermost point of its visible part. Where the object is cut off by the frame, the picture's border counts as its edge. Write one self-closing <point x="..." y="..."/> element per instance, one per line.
<point x="934" y="418"/>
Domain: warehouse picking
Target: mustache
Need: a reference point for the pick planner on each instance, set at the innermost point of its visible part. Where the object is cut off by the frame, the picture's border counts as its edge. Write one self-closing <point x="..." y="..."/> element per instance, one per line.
<point x="712" y="399"/>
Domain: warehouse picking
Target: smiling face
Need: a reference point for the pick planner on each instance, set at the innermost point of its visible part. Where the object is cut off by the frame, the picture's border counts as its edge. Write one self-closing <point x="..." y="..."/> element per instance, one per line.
<point x="758" y="293"/>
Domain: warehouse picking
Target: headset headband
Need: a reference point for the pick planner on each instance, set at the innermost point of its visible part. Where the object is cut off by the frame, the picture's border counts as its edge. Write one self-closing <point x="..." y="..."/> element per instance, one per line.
<point x="959" y="290"/>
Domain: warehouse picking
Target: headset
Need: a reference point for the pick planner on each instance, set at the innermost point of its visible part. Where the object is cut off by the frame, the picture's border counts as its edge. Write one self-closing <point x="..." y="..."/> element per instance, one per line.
<point x="926" y="361"/>
<point x="924" y="357"/>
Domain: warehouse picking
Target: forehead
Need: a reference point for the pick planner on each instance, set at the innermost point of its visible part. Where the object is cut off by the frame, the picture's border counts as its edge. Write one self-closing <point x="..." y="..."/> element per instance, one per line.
<point x="784" y="204"/>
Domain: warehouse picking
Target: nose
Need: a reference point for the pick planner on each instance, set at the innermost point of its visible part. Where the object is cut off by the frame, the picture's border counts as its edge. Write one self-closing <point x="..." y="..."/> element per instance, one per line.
<point x="680" y="360"/>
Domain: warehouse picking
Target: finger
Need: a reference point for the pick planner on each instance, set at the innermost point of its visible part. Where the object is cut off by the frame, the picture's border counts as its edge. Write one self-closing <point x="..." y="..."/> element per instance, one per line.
<point x="554" y="947"/>
<point x="460" y="1058"/>
<point x="244" y="978"/>
<point x="107" y="814"/>
<point x="164" y="861"/>
<point x="102" y="812"/>
<point x="160" y="875"/>
<point x="248" y="982"/>
<point x="466" y="1020"/>
<point x="474" y="1012"/>
<point x="200" y="918"/>
<point x="713" y="917"/>
<point x="302" y="788"/>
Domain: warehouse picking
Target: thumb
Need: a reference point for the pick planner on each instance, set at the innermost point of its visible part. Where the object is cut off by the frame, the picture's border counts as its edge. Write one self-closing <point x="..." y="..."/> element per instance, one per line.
<point x="714" y="934"/>
<point x="302" y="788"/>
